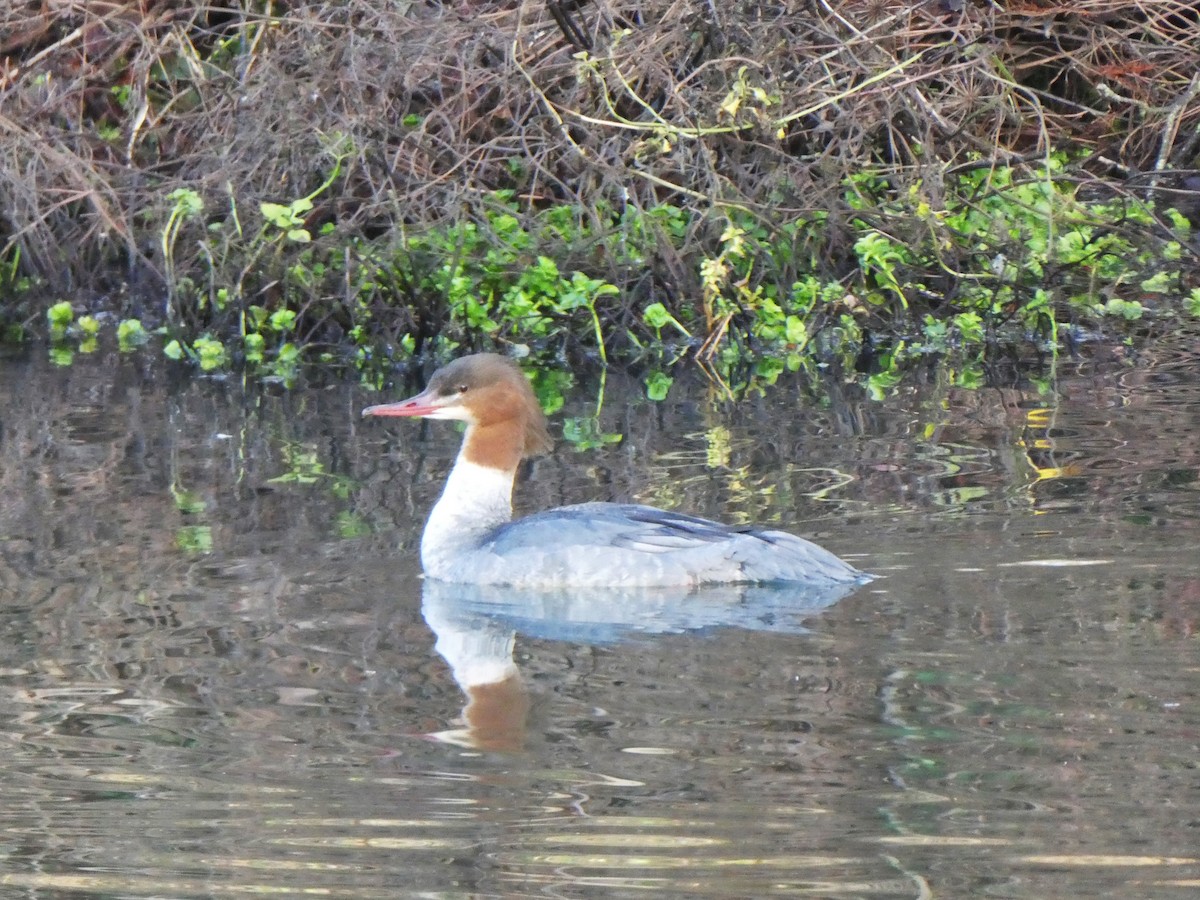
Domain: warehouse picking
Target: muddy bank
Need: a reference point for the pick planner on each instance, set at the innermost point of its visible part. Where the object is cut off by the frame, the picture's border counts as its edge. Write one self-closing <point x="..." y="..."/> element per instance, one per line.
<point x="391" y="177"/>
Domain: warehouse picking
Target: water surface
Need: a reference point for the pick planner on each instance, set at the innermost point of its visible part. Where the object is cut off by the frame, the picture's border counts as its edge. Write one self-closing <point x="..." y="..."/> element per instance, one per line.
<point x="221" y="674"/>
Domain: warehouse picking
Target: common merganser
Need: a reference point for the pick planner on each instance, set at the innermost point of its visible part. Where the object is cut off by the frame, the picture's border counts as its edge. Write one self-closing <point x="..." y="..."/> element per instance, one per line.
<point x="470" y="536"/>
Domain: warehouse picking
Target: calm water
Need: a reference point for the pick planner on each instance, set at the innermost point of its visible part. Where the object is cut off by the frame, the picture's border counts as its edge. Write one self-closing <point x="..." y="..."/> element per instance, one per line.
<point x="220" y="674"/>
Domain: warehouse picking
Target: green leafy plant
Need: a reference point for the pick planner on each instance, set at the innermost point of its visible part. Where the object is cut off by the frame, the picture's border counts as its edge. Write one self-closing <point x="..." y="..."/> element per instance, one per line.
<point x="881" y="258"/>
<point x="195" y="539"/>
<point x="87" y="327"/>
<point x="265" y="341"/>
<point x="131" y="334"/>
<point x="1192" y="302"/>
<point x="586" y="433"/>
<point x="60" y="317"/>
<point x="11" y="282"/>
<point x="656" y="316"/>
<point x="289" y="218"/>
<point x="206" y="351"/>
<point x="186" y="205"/>
<point x="657" y="386"/>
<point x="304" y="466"/>
<point x="210" y="352"/>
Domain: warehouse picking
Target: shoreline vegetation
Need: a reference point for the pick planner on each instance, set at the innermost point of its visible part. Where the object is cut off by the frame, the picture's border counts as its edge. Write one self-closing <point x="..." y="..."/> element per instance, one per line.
<point x="855" y="187"/>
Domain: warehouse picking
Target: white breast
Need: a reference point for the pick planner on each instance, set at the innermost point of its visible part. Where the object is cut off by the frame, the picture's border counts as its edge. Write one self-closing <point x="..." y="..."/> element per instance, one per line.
<point x="475" y="500"/>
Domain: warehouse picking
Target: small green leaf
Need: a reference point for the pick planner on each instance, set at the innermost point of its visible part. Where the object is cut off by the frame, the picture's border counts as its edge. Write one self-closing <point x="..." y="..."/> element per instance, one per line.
<point x="60" y="315"/>
<point x="188" y="502"/>
<point x="656" y="316"/>
<point x="282" y="319"/>
<point x="130" y="334"/>
<point x="350" y="525"/>
<point x="1161" y="283"/>
<point x="187" y="202"/>
<point x="62" y="356"/>
<point x="584" y="433"/>
<point x="1192" y="302"/>
<point x="970" y="326"/>
<point x="277" y="215"/>
<point x="795" y="331"/>
<point x="1130" y="310"/>
<point x="288" y="354"/>
<point x="210" y="351"/>
<point x="254" y="345"/>
<point x="194" y="538"/>
<point x="657" y="386"/>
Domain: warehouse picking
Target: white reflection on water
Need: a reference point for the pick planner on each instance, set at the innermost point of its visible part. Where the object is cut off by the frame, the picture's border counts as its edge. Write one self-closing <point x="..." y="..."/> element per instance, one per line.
<point x="477" y="625"/>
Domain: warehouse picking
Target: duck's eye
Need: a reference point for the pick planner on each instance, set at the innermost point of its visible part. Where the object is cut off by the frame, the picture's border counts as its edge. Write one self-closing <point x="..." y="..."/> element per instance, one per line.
<point x="462" y="388"/>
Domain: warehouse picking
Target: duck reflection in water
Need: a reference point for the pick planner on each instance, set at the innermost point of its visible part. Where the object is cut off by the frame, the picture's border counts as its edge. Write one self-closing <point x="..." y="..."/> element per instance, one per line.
<point x="476" y="628"/>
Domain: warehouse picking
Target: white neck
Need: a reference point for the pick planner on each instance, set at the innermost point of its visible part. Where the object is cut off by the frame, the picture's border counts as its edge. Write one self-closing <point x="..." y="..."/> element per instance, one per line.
<point x="475" y="500"/>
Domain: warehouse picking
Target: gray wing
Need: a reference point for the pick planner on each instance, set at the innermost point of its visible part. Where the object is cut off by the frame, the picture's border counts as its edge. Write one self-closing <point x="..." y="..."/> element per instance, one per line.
<point x="625" y="543"/>
<point x="625" y="525"/>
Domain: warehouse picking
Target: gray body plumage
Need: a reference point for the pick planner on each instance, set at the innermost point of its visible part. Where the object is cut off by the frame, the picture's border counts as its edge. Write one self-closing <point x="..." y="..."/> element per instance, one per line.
<point x="623" y="544"/>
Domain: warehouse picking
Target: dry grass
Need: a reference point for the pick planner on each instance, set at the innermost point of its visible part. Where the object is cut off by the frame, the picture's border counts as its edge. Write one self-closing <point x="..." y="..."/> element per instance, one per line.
<point x="106" y="106"/>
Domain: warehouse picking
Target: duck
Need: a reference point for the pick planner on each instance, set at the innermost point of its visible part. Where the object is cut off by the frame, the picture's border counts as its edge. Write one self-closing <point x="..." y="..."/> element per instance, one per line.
<point x="471" y="537"/>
